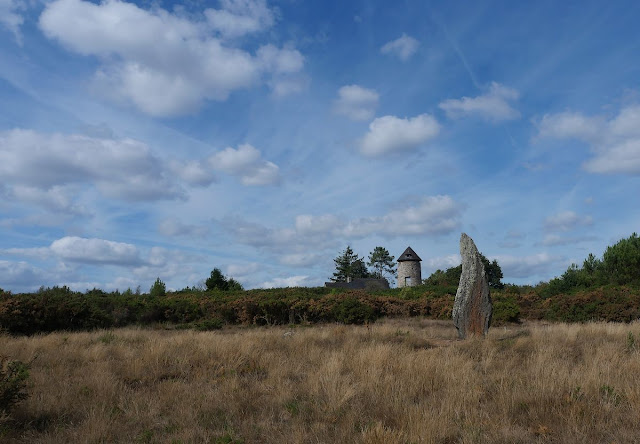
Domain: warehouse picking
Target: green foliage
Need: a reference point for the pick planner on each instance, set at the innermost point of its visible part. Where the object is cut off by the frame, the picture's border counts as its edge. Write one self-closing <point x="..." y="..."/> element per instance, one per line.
<point x="505" y="309"/>
<point x="218" y="281"/>
<point x="452" y="275"/>
<point x="349" y="265"/>
<point x="158" y="289"/>
<point x="448" y="278"/>
<point x="353" y="311"/>
<point x="381" y="262"/>
<point x="13" y="383"/>
<point x="621" y="262"/>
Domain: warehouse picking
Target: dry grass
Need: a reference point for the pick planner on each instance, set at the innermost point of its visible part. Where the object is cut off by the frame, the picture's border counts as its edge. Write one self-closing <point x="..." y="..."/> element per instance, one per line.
<point x="399" y="381"/>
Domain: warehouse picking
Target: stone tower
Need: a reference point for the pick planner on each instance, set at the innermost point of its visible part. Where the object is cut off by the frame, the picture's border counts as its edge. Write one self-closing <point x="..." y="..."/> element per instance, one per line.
<point x="409" y="273"/>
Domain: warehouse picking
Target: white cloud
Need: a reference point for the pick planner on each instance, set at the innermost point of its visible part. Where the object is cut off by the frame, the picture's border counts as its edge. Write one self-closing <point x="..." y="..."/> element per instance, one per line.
<point x="493" y="105"/>
<point x="292" y="281"/>
<point x="540" y="264"/>
<point x="623" y="158"/>
<point x="566" y="221"/>
<point x="247" y="163"/>
<point x="193" y="172"/>
<point x="84" y="250"/>
<point x="570" y="125"/>
<point x="174" y="227"/>
<point x="356" y="102"/>
<point x="164" y="63"/>
<point x="47" y="166"/>
<point x="56" y="199"/>
<point x="403" y="47"/>
<point x="614" y="142"/>
<point x="236" y="18"/>
<point x="432" y="215"/>
<point x="443" y="262"/>
<point x="20" y="274"/>
<point x="10" y="18"/>
<point x="95" y="251"/>
<point x="390" y="134"/>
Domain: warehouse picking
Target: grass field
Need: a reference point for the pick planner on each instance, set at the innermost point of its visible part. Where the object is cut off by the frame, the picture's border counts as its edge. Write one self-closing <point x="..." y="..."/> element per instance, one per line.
<point x="396" y="381"/>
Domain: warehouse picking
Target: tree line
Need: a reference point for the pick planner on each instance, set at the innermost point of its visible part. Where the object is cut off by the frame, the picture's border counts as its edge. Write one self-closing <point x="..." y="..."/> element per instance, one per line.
<point x="351" y="266"/>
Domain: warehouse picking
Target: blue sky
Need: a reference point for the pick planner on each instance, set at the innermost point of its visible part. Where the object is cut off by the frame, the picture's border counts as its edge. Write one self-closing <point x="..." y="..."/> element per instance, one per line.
<point x="159" y="139"/>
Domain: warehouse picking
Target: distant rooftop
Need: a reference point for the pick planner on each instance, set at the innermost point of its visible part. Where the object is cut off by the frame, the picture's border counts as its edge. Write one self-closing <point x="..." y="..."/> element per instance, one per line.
<point x="409" y="255"/>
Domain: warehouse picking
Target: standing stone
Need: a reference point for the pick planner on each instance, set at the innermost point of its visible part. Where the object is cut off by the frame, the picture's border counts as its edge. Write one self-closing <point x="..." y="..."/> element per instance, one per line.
<point x="472" y="307"/>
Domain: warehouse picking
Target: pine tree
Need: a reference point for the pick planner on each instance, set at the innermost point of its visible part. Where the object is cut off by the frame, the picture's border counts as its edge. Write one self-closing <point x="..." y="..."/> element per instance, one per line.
<point x="382" y="263"/>
<point x="348" y="265"/>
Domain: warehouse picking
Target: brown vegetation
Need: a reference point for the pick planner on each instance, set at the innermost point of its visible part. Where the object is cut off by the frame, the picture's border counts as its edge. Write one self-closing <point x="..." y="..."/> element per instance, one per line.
<point x="397" y="381"/>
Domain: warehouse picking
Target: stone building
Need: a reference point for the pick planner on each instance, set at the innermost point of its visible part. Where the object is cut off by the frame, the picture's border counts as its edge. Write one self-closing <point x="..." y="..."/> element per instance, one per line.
<point x="409" y="272"/>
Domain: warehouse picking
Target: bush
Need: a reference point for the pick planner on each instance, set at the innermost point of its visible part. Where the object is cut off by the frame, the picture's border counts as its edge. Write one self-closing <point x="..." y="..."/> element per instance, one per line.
<point x="353" y="311"/>
<point x="13" y="383"/>
<point x="505" y="309"/>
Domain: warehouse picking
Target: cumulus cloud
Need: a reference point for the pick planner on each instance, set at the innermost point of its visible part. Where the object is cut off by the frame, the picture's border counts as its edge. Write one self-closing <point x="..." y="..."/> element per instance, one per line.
<point x="391" y="134"/>
<point x="246" y="162"/>
<point x="84" y="250"/>
<point x="615" y="142"/>
<point x="164" y="63"/>
<point x="403" y="47"/>
<point x="356" y="102"/>
<point x="10" y="17"/>
<point x="193" y="172"/>
<point x="566" y="221"/>
<point x="95" y="251"/>
<point x="493" y="105"/>
<point x="431" y="216"/>
<point x="174" y="227"/>
<point x="236" y="18"/>
<point x="40" y="166"/>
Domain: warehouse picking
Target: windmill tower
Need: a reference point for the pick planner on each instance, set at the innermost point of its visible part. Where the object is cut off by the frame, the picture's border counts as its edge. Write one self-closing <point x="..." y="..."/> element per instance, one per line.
<point x="409" y="272"/>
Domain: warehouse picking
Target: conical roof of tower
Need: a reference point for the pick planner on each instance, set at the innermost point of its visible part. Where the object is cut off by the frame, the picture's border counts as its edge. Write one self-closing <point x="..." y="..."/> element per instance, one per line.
<point x="409" y="255"/>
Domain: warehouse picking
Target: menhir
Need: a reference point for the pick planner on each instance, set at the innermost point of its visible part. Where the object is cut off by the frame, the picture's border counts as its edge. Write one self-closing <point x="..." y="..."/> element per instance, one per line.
<point x="472" y="307"/>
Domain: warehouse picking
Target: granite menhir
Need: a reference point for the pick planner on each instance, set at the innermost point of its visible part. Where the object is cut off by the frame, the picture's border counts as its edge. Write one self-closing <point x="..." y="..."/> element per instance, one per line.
<point x="472" y="307"/>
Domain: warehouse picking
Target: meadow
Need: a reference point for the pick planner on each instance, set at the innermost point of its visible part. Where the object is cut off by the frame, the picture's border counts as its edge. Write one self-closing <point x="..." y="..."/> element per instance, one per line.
<point x="403" y="380"/>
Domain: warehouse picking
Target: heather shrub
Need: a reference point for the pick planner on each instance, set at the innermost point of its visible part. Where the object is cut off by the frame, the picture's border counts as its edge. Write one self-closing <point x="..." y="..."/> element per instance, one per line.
<point x="13" y="383"/>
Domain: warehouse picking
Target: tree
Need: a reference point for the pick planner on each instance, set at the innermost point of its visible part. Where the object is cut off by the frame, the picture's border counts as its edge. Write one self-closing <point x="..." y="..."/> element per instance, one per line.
<point x="621" y="261"/>
<point x="382" y="262"/>
<point x="349" y="265"/>
<point x="218" y="281"/>
<point x="494" y="272"/>
<point x="452" y="275"/>
<point x="158" y="289"/>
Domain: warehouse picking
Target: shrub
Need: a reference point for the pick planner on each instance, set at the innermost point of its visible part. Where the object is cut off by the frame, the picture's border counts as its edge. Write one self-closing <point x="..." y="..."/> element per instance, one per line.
<point x="13" y="383"/>
<point x="353" y="311"/>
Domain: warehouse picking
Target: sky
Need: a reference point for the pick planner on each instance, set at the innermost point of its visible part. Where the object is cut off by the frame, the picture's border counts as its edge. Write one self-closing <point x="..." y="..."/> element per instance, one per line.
<point x="161" y="139"/>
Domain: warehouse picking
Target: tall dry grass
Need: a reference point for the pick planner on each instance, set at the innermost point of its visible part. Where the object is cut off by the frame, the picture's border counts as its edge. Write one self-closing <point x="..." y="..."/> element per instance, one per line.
<point x="399" y="381"/>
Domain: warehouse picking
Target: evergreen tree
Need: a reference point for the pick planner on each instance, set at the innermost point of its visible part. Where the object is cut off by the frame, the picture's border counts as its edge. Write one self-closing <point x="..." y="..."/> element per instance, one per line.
<point x="349" y="265"/>
<point x="218" y="281"/>
<point x="382" y="263"/>
<point x="158" y="289"/>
